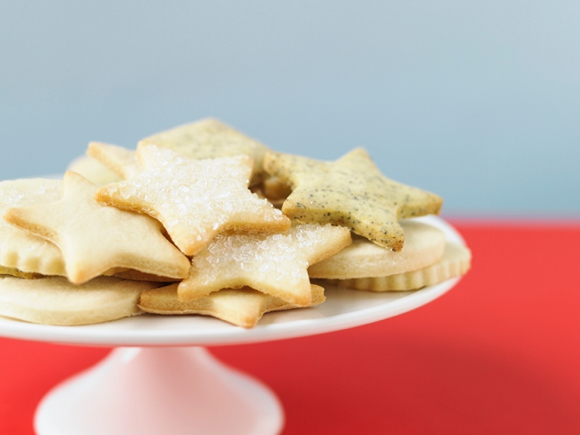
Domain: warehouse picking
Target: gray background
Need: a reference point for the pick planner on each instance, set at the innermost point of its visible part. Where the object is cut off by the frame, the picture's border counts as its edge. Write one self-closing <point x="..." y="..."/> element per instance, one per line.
<point x="477" y="101"/>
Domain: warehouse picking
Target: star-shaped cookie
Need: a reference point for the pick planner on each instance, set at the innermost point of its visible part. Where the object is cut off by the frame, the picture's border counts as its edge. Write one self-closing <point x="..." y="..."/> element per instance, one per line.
<point x="351" y="192"/>
<point x="274" y="264"/>
<point x="93" y="170"/>
<point x="194" y="199"/>
<point x="118" y="159"/>
<point x="94" y="239"/>
<point x="23" y="253"/>
<point x="211" y="138"/>
<point x="241" y="307"/>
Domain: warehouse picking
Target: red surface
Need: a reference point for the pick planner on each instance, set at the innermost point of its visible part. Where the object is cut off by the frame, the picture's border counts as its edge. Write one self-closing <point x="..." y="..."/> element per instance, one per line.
<point x="498" y="354"/>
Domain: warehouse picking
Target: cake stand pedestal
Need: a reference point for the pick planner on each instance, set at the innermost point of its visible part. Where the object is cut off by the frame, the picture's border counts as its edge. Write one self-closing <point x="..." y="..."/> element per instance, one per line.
<point x="178" y="391"/>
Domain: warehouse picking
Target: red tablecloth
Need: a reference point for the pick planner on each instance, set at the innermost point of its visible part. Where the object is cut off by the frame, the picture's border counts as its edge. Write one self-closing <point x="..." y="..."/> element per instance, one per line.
<point x="499" y="354"/>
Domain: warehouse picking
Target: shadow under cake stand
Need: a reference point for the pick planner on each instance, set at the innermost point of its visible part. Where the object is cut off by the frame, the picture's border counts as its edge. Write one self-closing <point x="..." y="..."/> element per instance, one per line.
<point x="160" y="378"/>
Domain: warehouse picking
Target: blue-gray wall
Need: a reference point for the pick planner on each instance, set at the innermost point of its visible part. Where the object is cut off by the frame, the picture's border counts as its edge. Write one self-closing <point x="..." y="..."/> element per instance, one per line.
<point x="477" y="101"/>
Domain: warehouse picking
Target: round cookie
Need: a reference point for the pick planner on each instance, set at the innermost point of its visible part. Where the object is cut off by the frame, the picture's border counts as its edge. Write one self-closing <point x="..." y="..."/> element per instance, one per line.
<point x="456" y="261"/>
<point x="424" y="245"/>
<point x="55" y="301"/>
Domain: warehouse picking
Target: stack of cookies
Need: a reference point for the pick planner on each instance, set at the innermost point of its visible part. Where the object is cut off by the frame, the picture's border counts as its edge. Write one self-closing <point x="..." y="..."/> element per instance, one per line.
<point x="201" y="219"/>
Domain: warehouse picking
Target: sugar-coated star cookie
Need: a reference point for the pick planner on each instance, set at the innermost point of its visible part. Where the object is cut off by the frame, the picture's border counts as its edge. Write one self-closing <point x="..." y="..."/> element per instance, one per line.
<point x="351" y="192"/>
<point x="194" y="199"/>
<point x="94" y="238"/>
<point x="241" y="307"/>
<point x="273" y="264"/>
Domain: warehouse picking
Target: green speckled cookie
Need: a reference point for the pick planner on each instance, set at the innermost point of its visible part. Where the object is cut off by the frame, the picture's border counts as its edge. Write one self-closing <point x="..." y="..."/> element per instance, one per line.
<point x="350" y="192"/>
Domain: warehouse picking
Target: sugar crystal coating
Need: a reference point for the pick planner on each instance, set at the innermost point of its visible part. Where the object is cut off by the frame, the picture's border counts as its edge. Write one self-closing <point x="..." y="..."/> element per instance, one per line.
<point x="194" y="199"/>
<point x="275" y="264"/>
<point x="24" y="192"/>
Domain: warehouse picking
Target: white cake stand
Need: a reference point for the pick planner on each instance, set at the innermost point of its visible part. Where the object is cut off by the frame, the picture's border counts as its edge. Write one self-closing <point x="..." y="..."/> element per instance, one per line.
<point x="161" y="380"/>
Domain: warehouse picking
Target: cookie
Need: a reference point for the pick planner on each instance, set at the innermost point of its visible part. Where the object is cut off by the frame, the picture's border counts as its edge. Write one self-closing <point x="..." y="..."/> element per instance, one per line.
<point x="351" y="192"/>
<point x="135" y="275"/>
<point x="22" y="253"/>
<point x="275" y="191"/>
<point x="93" y="170"/>
<point x="94" y="239"/>
<point x="55" y="301"/>
<point x="194" y="199"/>
<point x="18" y="273"/>
<point x="211" y="138"/>
<point x="424" y="245"/>
<point x="121" y="161"/>
<point x="242" y="307"/>
<point x="273" y="264"/>
<point x="256" y="226"/>
<point x="456" y="261"/>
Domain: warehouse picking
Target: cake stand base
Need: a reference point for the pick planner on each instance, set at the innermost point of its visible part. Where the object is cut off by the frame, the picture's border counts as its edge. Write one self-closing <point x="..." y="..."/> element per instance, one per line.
<point x="159" y="390"/>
